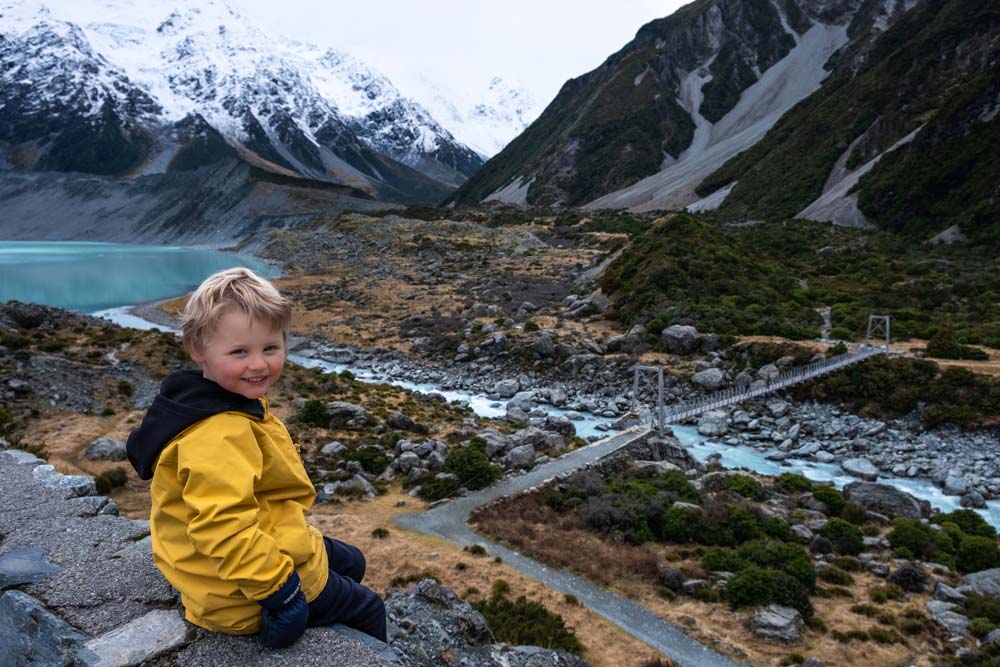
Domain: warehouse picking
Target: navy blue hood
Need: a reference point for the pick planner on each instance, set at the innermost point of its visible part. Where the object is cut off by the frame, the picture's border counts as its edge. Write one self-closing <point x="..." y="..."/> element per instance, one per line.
<point x="185" y="398"/>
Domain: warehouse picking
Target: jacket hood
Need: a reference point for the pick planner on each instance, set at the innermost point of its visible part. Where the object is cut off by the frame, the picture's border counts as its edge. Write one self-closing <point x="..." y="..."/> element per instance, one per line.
<point x="185" y="398"/>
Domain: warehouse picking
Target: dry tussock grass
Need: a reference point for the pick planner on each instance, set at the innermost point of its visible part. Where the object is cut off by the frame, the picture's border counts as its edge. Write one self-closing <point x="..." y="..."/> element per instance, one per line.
<point x="527" y="525"/>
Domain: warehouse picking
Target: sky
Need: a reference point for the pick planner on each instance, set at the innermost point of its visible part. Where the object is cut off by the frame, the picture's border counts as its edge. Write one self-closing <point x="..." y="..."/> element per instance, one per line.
<point x="465" y="43"/>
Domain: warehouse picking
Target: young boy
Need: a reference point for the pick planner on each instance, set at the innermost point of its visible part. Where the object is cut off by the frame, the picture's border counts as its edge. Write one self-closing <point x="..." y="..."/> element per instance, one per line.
<point x="229" y="491"/>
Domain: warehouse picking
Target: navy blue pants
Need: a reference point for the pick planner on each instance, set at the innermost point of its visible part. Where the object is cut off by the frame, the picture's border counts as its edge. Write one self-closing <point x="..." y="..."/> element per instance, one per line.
<point x="344" y="600"/>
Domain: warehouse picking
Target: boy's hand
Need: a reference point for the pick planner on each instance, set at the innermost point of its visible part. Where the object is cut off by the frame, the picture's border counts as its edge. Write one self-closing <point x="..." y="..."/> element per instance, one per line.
<point x="285" y="614"/>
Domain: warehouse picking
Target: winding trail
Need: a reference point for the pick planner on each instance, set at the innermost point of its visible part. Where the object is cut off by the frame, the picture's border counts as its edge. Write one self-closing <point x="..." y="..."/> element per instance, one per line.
<point x="450" y="521"/>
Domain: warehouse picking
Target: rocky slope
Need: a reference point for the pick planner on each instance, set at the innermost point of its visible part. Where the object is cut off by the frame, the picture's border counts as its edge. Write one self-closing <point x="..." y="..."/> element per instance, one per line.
<point x="711" y="78"/>
<point x="869" y="113"/>
<point x="903" y="137"/>
<point x="84" y="94"/>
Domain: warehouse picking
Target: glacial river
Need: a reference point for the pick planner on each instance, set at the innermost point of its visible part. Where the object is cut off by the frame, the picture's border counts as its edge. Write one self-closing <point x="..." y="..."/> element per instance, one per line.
<point x="88" y="277"/>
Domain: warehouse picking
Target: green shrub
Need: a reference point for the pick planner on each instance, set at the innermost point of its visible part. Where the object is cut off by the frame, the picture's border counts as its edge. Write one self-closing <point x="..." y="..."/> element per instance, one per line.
<point x="981" y="627"/>
<point x="681" y="525"/>
<point x="979" y="606"/>
<point x="831" y="497"/>
<point x="434" y="488"/>
<point x="835" y="575"/>
<point x="846" y="537"/>
<point x="968" y="521"/>
<point x="471" y="466"/>
<point x="412" y="578"/>
<point x="977" y="553"/>
<point x="530" y="325"/>
<point x="793" y="483"/>
<point x="110" y="479"/>
<point x="848" y="564"/>
<point x="919" y="539"/>
<point x="525" y="623"/>
<point x="371" y="458"/>
<point x="314" y="413"/>
<point x="380" y="533"/>
<point x="838" y="349"/>
<point x="730" y="525"/>
<point x="723" y="559"/>
<point x="883" y="636"/>
<point x="882" y="594"/>
<point x="745" y="486"/>
<point x="945" y="346"/>
<point x="754" y="586"/>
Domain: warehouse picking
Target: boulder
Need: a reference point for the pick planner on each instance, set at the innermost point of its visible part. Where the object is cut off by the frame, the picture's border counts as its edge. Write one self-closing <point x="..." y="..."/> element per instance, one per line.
<point x="560" y="425"/>
<point x="106" y="448"/>
<point x="767" y="372"/>
<point x="333" y="449"/>
<point x="712" y="423"/>
<point x="506" y="388"/>
<point x="433" y="626"/>
<point x="860" y="467"/>
<point x="32" y="635"/>
<point x="709" y="379"/>
<point x="776" y="623"/>
<point x="543" y="348"/>
<point x="886" y="499"/>
<point x="520" y="457"/>
<point x="346" y="415"/>
<point x="397" y="421"/>
<point x="985" y="583"/>
<point x="955" y="623"/>
<point x="680" y="339"/>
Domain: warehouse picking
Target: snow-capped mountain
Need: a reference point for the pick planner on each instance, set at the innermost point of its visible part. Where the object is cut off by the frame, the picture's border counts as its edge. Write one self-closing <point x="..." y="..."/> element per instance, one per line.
<point x="487" y="121"/>
<point x="131" y="72"/>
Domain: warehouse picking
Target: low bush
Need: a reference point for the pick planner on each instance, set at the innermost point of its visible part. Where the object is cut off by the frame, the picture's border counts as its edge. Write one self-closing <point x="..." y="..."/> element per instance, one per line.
<point x="845" y="537"/>
<point x="977" y="553"/>
<point x="882" y="594"/>
<point x="471" y="466"/>
<point x="968" y="521"/>
<point x="313" y="413"/>
<point x="919" y="539"/>
<point x="831" y="497"/>
<point x="792" y="483"/>
<point x="835" y="575"/>
<point x="978" y="606"/>
<point x="745" y="486"/>
<point x="522" y="622"/>
<point x="371" y="458"/>
<point x="754" y="586"/>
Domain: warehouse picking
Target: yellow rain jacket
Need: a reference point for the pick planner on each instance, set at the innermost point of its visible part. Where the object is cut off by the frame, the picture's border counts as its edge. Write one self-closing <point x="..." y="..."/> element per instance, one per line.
<point x="228" y="518"/>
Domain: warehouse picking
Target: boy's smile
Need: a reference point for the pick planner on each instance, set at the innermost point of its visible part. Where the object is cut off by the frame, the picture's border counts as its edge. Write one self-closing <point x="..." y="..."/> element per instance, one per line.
<point x="244" y="355"/>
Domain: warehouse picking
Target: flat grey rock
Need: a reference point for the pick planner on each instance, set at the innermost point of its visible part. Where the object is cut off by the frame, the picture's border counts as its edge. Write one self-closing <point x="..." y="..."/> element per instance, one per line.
<point x="986" y="583"/>
<point x="885" y="498"/>
<point x="25" y="566"/>
<point x="776" y="623"/>
<point x="137" y="641"/>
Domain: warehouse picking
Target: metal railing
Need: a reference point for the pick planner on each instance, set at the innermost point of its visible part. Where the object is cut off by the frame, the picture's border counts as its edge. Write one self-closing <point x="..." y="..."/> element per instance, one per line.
<point x="678" y="412"/>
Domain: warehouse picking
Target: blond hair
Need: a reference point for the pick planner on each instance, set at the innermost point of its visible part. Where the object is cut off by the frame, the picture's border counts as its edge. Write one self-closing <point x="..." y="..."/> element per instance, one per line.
<point x="240" y="289"/>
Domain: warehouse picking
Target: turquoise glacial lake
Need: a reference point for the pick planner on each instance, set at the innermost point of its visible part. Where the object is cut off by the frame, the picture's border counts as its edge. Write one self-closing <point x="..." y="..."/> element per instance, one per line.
<point x="91" y="277"/>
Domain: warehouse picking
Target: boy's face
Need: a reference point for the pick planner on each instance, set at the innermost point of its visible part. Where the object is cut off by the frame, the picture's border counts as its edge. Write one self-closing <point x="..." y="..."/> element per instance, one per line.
<point x="244" y="355"/>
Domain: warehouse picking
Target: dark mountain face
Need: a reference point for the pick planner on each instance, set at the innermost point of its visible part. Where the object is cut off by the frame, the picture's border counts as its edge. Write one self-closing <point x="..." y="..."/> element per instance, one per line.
<point x="625" y="120"/>
<point x="923" y="99"/>
<point x="90" y="119"/>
